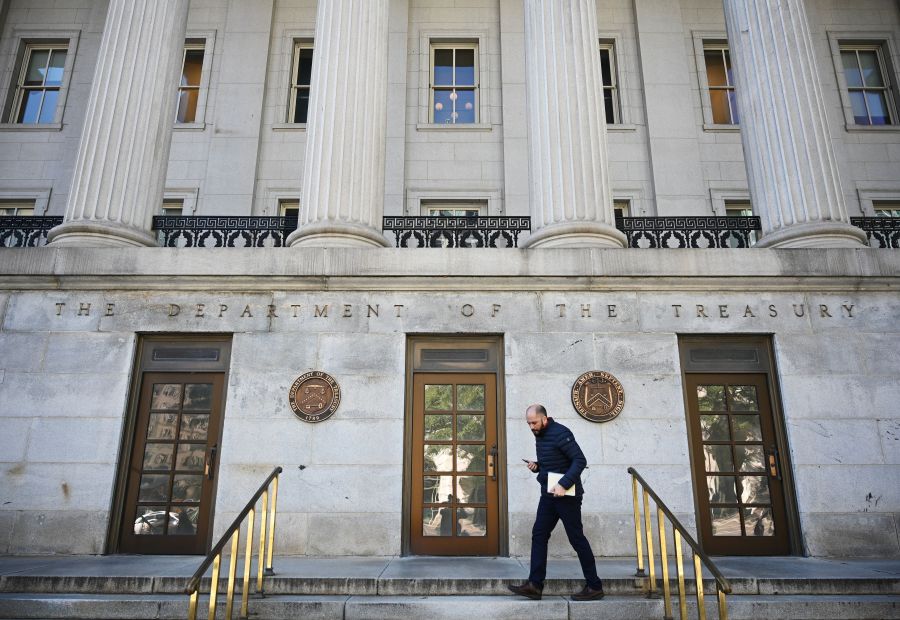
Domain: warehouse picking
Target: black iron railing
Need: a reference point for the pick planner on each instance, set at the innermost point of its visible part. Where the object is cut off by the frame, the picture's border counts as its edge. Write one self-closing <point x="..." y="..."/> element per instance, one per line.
<point x="690" y="232"/>
<point x="456" y="232"/>
<point x="178" y="231"/>
<point x="23" y="231"/>
<point x="882" y="232"/>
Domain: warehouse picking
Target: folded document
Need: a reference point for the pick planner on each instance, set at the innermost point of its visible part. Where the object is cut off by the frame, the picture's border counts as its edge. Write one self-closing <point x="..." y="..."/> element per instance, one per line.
<point x="553" y="479"/>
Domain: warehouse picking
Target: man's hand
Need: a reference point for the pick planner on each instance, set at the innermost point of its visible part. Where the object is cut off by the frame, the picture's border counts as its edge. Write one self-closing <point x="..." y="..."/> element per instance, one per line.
<point x="533" y="466"/>
<point x="558" y="491"/>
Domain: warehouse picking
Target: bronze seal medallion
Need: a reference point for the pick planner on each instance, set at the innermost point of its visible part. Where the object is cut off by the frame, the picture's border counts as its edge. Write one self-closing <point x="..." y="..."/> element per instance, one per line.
<point x="598" y="396"/>
<point x="314" y="396"/>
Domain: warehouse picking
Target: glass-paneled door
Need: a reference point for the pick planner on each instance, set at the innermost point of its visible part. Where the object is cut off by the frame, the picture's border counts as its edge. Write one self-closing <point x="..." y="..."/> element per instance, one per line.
<point x="454" y="465"/>
<point x="168" y="499"/>
<point x="737" y="468"/>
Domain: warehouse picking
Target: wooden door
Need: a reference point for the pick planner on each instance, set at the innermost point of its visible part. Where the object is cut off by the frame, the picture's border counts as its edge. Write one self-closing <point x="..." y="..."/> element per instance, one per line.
<point x="737" y="469"/>
<point x="171" y="474"/>
<point x="454" y="495"/>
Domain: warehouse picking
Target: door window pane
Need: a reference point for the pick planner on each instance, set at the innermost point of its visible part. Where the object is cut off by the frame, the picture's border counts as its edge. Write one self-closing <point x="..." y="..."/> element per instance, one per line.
<point x="742" y="398"/>
<point x="154" y="488"/>
<point x="166" y="396"/>
<point x="438" y="490"/>
<point x="721" y="489"/>
<point x="471" y="489"/>
<point x="158" y="456"/>
<point x="438" y="397"/>
<point x="725" y="521"/>
<point x="471" y="521"/>
<point x="718" y="458"/>
<point x="470" y="458"/>
<point x="470" y="397"/>
<point x="746" y="428"/>
<point x="162" y="426"/>
<point x="187" y="488"/>
<point x="194" y="426"/>
<point x="470" y="427"/>
<point x="749" y="458"/>
<point x="714" y="427"/>
<point x="150" y="521"/>
<point x="437" y="521"/>
<point x="711" y="397"/>
<point x="758" y="522"/>
<point x="184" y="522"/>
<point x="198" y="396"/>
<point x="754" y="489"/>
<point x="438" y="458"/>
<point x="439" y="427"/>
<point x="191" y="457"/>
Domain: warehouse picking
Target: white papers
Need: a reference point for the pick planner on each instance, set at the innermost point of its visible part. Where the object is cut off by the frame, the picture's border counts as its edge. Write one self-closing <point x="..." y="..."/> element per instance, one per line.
<point x="553" y="479"/>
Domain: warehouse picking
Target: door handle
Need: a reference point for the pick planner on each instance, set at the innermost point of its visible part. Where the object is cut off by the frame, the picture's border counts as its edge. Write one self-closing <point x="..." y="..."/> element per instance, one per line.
<point x="772" y="463"/>
<point x="210" y="468"/>
<point x="492" y="467"/>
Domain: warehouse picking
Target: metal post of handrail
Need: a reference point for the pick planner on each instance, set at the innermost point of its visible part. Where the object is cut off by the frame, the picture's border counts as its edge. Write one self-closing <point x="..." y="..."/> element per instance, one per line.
<point x="651" y="589"/>
<point x="637" y="529"/>
<point x="261" y="558"/>
<point x="214" y="587"/>
<point x="723" y="606"/>
<point x="269" y="570"/>
<point x="192" y="606"/>
<point x="232" y="570"/>
<point x="682" y="593"/>
<point x="248" y="559"/>
<point x="698" y="576"/>
<point x="664" y="562"/>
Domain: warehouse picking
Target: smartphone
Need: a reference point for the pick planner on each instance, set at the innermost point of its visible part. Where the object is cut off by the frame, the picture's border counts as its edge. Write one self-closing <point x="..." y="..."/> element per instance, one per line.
<point x="526" y="460"/>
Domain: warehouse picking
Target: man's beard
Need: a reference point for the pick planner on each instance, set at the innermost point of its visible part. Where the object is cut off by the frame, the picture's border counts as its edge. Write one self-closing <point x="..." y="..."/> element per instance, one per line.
<point x="539" y="432"/>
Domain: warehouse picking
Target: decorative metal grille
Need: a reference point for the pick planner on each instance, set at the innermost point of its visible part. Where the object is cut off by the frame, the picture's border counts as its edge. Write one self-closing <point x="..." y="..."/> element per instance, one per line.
<point x="456" y="232"/>
<point x="882" y="232"/>
<point x="689" y="232"/>
<point x="179" y="231"/>
<point x="24" y="231"/>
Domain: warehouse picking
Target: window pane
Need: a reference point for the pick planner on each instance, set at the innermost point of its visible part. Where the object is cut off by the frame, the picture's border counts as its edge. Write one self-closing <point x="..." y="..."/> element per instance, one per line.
<point x="465" y="106"/>
<point x="48" y="109"/>
<point x="742" y="398"/>
<point x="470" y="458"/>
<point x="443" y="106"/>
<point x="37" y="67"/>
<point x="870" y="69"/>
<point x="851" y="69"/>
<point x="470" y="489"/>
<point x="711" y="397"/>
<point x="465" y="67"/>
<point x="443" y="67"/>
<point x="191" y="457"/>
<point x="721" y="489"/>
<point x="166" y="396"/>
<point x="162" y="426"/>
<point x="605" y="68"/>
<point x="746" y="428"/>
<point x="304" y="67"/>
<point x="877" y="108"/>
<point x="438" y="490"/>
<point x="721" y="111"/>
<point x="187" y="488"/>
<point x="470" y="397"/>
<point x="193" y="65"/>
<point x="754" y="489"/>
<point x="470" y="427"/>
<point x="608" y="108"/>
<point x="858" y="101"/>
<point x="714" y="427"/>
<point x="185" y="521"/>
<point x="729" y="70"/>
<point x="718" y="458"/>
<point x="438" y="397"/>
<point x="715" y="68"/>
<point x="749" y="458"/>
<point x="198" y="396"/>
<point x="438" y="458"/>
<point x="301" y="108"/>
<point x="758" y="521"/>
<point x="471" y="521"/>
<point x="154" y="488"/>
<point x="57" y="64"/>
<point x="725" y="521"/>
<point x="437" y="521"/>
<point x="194" y="426"/>
<point x="31" y="106"/>
<point x="733" y="103"/>
<point x="439" y="427"/>
<point x="158" y="456"/>
<point x="187" y="105"/>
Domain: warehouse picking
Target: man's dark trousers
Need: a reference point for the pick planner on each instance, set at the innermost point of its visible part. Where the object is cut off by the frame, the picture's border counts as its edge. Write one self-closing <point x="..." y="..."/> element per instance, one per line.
<point x="550" y="511"/>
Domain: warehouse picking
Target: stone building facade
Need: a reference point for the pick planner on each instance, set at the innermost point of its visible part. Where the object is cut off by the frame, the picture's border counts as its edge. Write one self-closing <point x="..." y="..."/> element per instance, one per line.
<point x="348" y="112"/>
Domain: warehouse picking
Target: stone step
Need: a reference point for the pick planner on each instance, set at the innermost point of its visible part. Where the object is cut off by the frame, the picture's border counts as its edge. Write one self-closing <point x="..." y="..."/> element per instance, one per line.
<point x="166" y="606"/>
<point x="436" y="586"/>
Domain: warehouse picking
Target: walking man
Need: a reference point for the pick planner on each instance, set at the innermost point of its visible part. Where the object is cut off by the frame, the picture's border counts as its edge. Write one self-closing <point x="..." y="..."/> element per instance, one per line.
<point x="557" y="452"/>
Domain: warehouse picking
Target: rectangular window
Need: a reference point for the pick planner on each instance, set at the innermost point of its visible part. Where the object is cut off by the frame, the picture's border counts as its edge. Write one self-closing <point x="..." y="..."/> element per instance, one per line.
<point x="454" y="209"/>
<point x="867" y="85"/>
<point x="454" y="83"/>
<point x="21" y="209"/>
<point x="720" y="83"/>
<point x="622" y="208"/>
<point x="289" y="208"/>
<point x="301" y="74"/>
<point x="189" y="87"/>
<point x="39" y="83"/>
<point x="886" y="208"/>
<point x="610" y="82"/>
<point x="740" y="208"/>
<point x="172" y="207"/>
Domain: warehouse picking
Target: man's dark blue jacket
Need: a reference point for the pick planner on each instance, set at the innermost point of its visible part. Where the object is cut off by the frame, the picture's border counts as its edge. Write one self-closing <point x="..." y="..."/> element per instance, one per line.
<point x="557" y="451"/>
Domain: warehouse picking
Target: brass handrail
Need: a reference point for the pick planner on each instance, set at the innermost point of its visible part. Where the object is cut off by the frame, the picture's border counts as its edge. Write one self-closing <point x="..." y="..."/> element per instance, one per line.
<point x="723" y="586"/>
<point x="264" y="558"/>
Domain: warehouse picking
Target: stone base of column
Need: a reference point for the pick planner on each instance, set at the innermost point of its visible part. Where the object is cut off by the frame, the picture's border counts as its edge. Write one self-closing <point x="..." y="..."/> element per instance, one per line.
<point x="99" y="235"/>
<point x="576" y="235"/>
<point x="815" y="235"/>
<point x="336" y="235"/>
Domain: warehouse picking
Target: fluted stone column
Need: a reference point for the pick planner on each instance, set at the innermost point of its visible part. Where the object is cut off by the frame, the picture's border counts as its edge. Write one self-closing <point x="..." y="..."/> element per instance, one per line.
<point x="124" y="151"/>
<point x="791" y="165"/>
<point x="342" y="198"/>
<point x="571" y="199"/>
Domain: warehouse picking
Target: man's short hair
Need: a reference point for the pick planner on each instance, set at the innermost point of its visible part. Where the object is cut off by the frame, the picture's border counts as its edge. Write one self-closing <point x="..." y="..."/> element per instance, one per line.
<point x="539" y="409"/>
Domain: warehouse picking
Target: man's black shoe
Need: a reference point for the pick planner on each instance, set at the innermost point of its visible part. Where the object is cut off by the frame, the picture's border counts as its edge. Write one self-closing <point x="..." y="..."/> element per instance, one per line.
<point x="588" y="593"/>
<point x="528" y="590"/>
